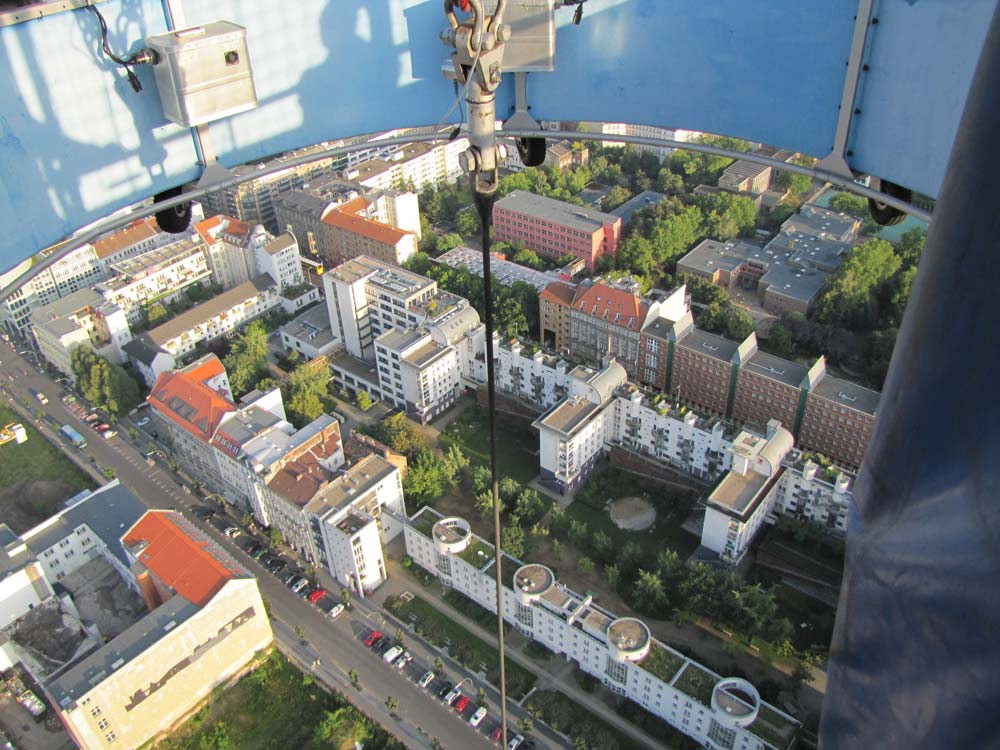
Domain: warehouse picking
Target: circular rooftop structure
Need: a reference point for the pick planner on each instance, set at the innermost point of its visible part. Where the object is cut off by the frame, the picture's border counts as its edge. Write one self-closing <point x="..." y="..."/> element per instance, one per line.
<point x="628" y="639"/>
<point x="531" y="581"/>
<point x="451" y="535"/>
<point x="735" y="702"/>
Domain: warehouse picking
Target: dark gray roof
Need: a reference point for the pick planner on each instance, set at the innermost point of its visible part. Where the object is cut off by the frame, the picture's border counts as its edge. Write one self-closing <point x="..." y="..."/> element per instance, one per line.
<point x="775" y="368"/>
<point x="848" y="394"/>
<point x="558" y="212"/>
<point x="708" y="344"/>
<point x="568" y="416"/>
<point x="142" y="349"/>
<point x="710" y="255"/>
<point x="109" y="511"/>
<point x="90" y="671"/>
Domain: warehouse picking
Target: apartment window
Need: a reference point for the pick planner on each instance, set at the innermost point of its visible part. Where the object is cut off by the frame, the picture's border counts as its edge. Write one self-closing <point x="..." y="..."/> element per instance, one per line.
<point x="96" y="711"/>
<point x="111" y="736"/>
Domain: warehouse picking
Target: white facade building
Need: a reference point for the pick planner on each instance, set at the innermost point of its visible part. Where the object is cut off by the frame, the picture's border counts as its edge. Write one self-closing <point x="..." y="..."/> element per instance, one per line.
<point x="309" y="334"/>
<point x="417" y="373"/>
<point x="720" y="713"/>
<point x="418" y="164"/>
<point x="811" y="493"/>
<point x="279" y="258"/>
<point x="158" y="275"/>
<point x="83" y="318"/>
<point x="228" y="247"/>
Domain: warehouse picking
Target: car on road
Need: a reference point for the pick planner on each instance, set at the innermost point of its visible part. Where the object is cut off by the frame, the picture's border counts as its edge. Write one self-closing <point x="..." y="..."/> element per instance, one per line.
<point x="405" y="659"/>
<point x="316" y="594"/>
<point x="335" y="612"/>
<point x="202" y="513"/>
<point x="374" y="637"/>
<point x="453" y="695"/>
<point x="392" y="654"/>
<point x="142" y="422"/>
<point x="477" y="718"/>
<point x="103" y="427"/>
<point x="232" y="532"/>
<point x="515" y="742"/>
<point x="273" y="563"/>
<point x="42" y="398"/>
<point x="108" y="434"/>
<point x="426" y="678"/>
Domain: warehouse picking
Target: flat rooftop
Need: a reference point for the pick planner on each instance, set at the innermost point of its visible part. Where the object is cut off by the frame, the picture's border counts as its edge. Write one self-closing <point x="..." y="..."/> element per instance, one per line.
<point x="711" y="255"/>
<point x="156" y="259"/>
<point x="848" y="394"/>
<point x="775" y="368"/>
<point x="793" y="281"/>
<point x="736" y="492"/>
<point x="645" y="199"/>
<point x="210" y="309"/>
<point x="312" y="326"/>
<point x="570" y="415"/>
<point x="533" y="578"/>
<point x="425" y="354"/>
<point x="556" y="212"/>
<point x="628" y="633"/>
<point x="352" y="485"/>
<point x="710" y="345"/>
<point x="507" y="272"/>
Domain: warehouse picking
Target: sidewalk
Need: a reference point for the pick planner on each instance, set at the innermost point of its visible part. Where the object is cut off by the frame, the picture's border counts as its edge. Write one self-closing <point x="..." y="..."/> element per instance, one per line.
<point x="400" y="580"/>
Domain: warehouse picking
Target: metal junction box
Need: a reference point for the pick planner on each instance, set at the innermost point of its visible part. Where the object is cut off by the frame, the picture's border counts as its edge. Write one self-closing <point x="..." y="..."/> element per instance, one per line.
<point x="532" y="45"/>
<point x="203" y="73"/>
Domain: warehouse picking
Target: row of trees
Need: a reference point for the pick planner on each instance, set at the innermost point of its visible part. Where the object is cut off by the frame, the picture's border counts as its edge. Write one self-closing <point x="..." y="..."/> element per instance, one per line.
<point x="104" y="384"/>
<point x="515" y="307"/>
<point x="428" y="475"/>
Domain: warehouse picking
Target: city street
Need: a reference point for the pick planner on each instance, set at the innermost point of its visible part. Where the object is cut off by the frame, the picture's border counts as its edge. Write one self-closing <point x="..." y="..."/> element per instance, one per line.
<point x="338" y="644"/>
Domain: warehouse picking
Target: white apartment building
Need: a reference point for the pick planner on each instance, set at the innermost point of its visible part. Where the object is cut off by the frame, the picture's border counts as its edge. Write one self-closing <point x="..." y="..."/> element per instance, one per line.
<point x="808" y="492"/>
<point x="310" y="334"/>
<point x="139" y="237"/>
<point x="350" y="517"/>
<point x="229" y="247"/>
<point x="672" y="435"/>
<point x="217" y="317"/>
<point x="417" y="164"/>
<point x="416" y="373"/>
<point x="279" y="258"/>
<point x="157" y="275"/>
<point x="720" y="713"/>
<point x="739" y="505"/>
<point x="82" y="318"/>
<point x="646" y="131"/>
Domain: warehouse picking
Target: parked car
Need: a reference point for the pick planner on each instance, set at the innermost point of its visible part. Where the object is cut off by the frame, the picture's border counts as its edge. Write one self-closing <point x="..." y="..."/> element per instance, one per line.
<point x="298" y="585"/>
<point x="108" y="434"/>
<point x="335" y="612"/>
<point x="453" y="695"/>
<point x="316" y="594"/>
<point x="382" y="646"/>
<point x="477" y="718"/>
<point x="462" y="703"/>
<point x="274" y="564"/>
<point x="425" y="678"/>
<point x="142" y="422"/>
<point x="405" y="659"/>
<point x="232" y="532"/>
<point x="445" y="688"/>
<point x="290" y="576"/>
<point x="103" y="427"/>
<point x="515" y="742"/>
<point x="497" y="734"/>
<point x="373" y="637"/>
<point x="42" y="399"/>
<point x="392" y="654"/>
<point x="202" y="513"/>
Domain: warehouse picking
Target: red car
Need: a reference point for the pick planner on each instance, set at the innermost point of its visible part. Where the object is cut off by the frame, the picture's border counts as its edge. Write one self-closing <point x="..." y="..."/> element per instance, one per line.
<point x="316" y="595"/>
<point x="462" y="703"/>
<point x="497" y="734"/>
<point x="374" y="637"/>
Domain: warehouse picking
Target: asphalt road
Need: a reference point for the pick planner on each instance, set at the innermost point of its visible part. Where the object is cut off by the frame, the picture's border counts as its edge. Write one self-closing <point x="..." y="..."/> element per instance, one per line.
<point x="338" y="644"/>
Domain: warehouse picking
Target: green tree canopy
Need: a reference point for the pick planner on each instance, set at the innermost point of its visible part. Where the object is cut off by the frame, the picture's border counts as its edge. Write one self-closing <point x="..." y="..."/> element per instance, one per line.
<point x="851" y="292"/>
<point x="246" y="362"/>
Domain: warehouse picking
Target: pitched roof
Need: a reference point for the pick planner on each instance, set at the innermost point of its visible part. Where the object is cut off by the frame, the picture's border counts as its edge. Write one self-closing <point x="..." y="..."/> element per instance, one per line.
<point x="206" y="368"/>
<point x="190" y="404"/>
<point x="210" y="308"/>
<point x="136" y="232"/>
<point x="346" y="217"/>
<point x="559" y="293"/>
<point x="211" y="228"/>
<point x="622" y="308"/>
<point x="181" y="558"/>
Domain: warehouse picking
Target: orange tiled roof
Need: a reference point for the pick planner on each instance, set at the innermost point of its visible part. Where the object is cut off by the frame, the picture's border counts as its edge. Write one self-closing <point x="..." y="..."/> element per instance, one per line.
<point x="138" y="231"/>
<point x="346" y="217"/>
<point x="622" y="308"/>
<point x="206" y="368"/>
<point x="300" y="479"/>
<point x="190" y="404"/>
<point x="211" y="228"/>
<point x="182" y="562"/>
<point x="558" y="292"/>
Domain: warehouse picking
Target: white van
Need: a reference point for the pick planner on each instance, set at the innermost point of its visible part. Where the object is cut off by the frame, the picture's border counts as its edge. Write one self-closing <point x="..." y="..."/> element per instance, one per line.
<point x="392" y="654"/>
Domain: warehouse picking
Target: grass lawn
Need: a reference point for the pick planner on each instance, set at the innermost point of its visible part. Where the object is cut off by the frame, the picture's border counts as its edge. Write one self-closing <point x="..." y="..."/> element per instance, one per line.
<point x="37" y="458"/>
<point x="463" y="646"/>
<point x="276" y="705"/>
<point x="672" y="508"/>
<point x="516" y="446"/>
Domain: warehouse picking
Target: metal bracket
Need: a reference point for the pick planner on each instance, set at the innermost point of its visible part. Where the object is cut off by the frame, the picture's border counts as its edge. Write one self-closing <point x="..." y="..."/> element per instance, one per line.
<point x="836" y="160"/>
<point x="521" y="120"/>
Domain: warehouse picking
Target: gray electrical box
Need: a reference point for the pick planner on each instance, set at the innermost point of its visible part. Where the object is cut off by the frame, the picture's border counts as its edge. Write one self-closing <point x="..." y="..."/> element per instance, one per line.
<point x="203" y="73"/>
<point x="532" y="45"/>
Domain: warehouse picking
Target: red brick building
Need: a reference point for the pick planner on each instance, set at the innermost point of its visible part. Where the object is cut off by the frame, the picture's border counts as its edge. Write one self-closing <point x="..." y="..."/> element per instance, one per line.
<point x="838" y="420"/>
<point x="553" y="228"/>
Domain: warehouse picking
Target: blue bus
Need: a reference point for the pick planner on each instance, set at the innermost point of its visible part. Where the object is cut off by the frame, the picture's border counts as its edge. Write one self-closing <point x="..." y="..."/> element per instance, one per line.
<point x="73" y="436"/>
